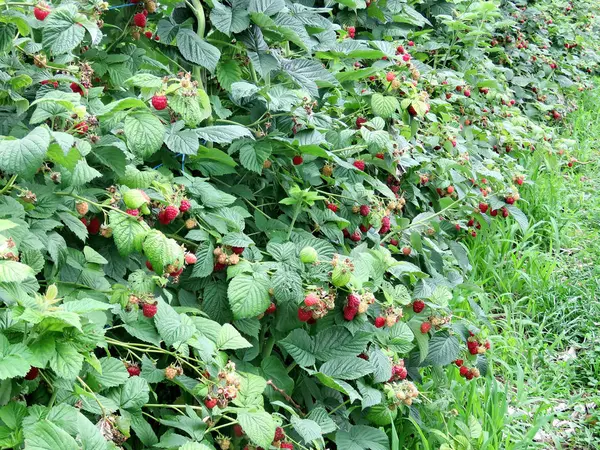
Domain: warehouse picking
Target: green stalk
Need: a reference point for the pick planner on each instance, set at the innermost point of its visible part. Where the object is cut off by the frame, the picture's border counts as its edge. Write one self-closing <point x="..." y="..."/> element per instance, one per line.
<point x="296" y="214"/>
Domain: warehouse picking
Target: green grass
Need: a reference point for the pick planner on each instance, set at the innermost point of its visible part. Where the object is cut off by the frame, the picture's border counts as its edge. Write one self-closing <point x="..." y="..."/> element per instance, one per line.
<point x="542" y="291"/>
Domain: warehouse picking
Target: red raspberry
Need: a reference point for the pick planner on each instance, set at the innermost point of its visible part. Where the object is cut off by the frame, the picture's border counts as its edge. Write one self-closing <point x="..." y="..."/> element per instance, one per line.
<point x="84" y="221"/>
<point x="467" y="92"/>
<point x="411" y="44"/>
<point x="494" y="213"/>
<point x="355" y="236"/>
<point x="400" y="50"/>
<point x="346" y="233"/>
<point x="406" y="251"/>
<point x="157" y="38"/>
<point x="304" y="315"/>
<point x="134" y="371"/>
<point x="190" y="258"/>
<point x="210" y="403"/>
<point x="238" y="250"/>
<point x="365" y="210"/>
<point x="139" y="20"/>
<point x="364" y="228"/>
<point x="487" y="345"/>
<point x="170" y="213"/>
<point x="311" y="299"/>
<point x="350" y="313"/>
<point x="177" y="273"/>
<point x="218" y="267"/>
<point x="82" y="127"/>
<point x="450" y="189"/>
<point x="332" y="207"/>
<point x="505" y="212"/>
<point x="32" y="374"/>
<point x="297" y="160"/>
<point x="41" y="11"/>
<point x="483" y="207"/>
<point x="148" y="34"/>
<point x="394" y="242"/>
<point x="380" y="322"/>
<point x="271" y="309"/>
<point x="145" y="12"/>
<point x="472" y="346"/>
<point x="353" y="301"/>
<point x="469" y="375"/>
<point x="464" y="371"/>
<point x="364" y="356"/>
<point x="159" y="102"/>
<point x="471" y="222"/>
<point x="459" y="362"/>
<point x="185" y="205"/>
<point x="279" y="434"/>
<point x="359" y="164"/>
<point x="390" y="76"/>
<point x="406" y="57"/>
<point x="418" y="306"/>
<point x="380" y="156"/>
<point x="510" y="200"/>
<point x="132" y="212"/>
<point x="76" y="88"/>
<point x="149" y="266"/>
<point x="287" y="445"/>
<point x="385" y="221"/>
<point x="360" y="121"/>
<point x="149" y="309"/>
<point x="94" y="226"/>
<point x="425" y="327"/>
<point x="238" y="430"/>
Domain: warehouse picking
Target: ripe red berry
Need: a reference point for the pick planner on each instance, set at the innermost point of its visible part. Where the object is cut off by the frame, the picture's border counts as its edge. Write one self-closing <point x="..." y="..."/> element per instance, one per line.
<point x="394" y="242"/>
<point x="418" y="306"/>
<point x="332" y="207"/>
<point x="350" y="313"/>
<point x="304" y="315"/>
<point x="467" y="92"/>
<point x="510" y="200"/>
<point x="380" y="322"/>
<point x="76" y="88"/>
<point x="32" y="374"/>
<point x="469" y="375"/>
<point x="287" y="445"/>
<point x="218" y="267"/>
<point x="279" y="434"/>
<point x="364" y="210"/>
<point x="94" y="226"/>
<point x="210" y="403"/>
<point x="464" y="370"/>
<point x="450" y="189"/>
<point x="359" y="164"/>
<point x="483" y="207"/>
<point x="134" y="371"/>
<point x="406" y="57"/>
<point x="238" y="430"/>
<point x="177" y="272"/>
<point x="149" y="309"/>
<point x="159" y="102"/>
<point x="82" y="127"/>
<point x="494" y="212"/>
<point x="353" y="301"/>
<point x="411" y="110"/>
<point x="238" y="250"/>
<point x="190" y="258"/>
<point x="271" y="309"/>
<point x="311" y="299"/>
<point x="390" y="76"/>
<point x="360" y="121"/>
<point x="406" y="251"/>
<point x="505" y="213"/>
<point x="148" y="34"/>
<point x="170" y="213"/>
<point x="425" y="327"/>
<point x="459" y="362"/>
<point x="139" y="20"/>
<point x="380" y="156"/>
<point x="149" y="266"/>
<point x="132" y="212"/>
<point x="41" y="11"/>
<point x="411" y="44"/>
<point x="157" y="38"/>
<point x="185" y="205"/>
<point x="355" y="236"/>
<point x="297" y="160"/>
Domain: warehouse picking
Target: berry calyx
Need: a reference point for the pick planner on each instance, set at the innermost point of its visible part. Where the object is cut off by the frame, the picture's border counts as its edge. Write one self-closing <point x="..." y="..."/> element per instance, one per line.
<point x="359" y="164"/>
<point x="418" y="306"/>
<point x="297" y="160"/>
<point x="149" y="309"/>
<point x="379" y="322"/>
<point x="134" y="371"/>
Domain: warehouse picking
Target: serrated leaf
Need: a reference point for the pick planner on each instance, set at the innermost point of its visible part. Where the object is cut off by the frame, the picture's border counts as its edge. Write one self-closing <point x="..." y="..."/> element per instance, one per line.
<point x="248" y="295"/>
<point x="83" y="173"/>
<point x="223" y="134"/>
<point x="44" y="435"/>
<point x="346" y="368"/>
<point x="172" y="326"/>
<point x="162" y="251"/>
<point x="132" y="395"/>
<point x="14" y="272"/>
<point x="337" y="341"/>
<point x="67" y="361"/>
<point x="254" y="155"/>
<point x="300" y="346"/>
<point x="204" y="261"/>
<point x="24" y="156"/>
<point x="113" y="373"/>
<point x="144" y="132"/>
<point x="443" y="349"/>
<point x="196" y="50"/>
<point x="384" y="105"/>
<point x="128" y="232"/>
<point x="360" y="437"/>
<point x="74" y="224"/>
<point x="61" y="32"/>
<point x="259" y="426"/>
<point x="228" y="72"/>
<point x="229" y="20"/>
<point x="308" y="429"/>
<point x="230" y="339"/>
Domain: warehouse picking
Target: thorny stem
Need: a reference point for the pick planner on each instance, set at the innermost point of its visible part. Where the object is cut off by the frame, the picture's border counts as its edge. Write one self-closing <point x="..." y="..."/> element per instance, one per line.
<point x="287" y="397"/>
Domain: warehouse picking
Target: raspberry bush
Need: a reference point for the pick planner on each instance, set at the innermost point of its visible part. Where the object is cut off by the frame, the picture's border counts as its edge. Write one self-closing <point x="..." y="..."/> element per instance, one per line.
<point x="242" y="225"/>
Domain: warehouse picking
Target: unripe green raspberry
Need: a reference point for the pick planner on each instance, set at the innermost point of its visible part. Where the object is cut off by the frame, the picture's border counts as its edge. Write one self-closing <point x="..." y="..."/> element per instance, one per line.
<point x="340" y="276"/>
<point x="308" y="255"/>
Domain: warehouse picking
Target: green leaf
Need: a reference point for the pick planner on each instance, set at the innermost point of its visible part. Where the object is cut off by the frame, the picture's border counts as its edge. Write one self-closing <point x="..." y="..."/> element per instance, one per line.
<point x="193" y="109"/>
<point x="337" y="341"/>
<point x="74" y="224"/>
<point x="67" y="361"/>
<point x="113" y="373"/>
<point x="196" y="50"/>
<point x="300" y="346"/>
<point x="228" y="72"/>
<point x="361" y="437"/>
<point x="237" y="240"/>
<point x="229" y="20"/>
<point x="346" y="368"/>
<point x="230" y="339"/>
<point x="308" y="429"/>
<point x="268" y="7"/>
<point x="44" y="435"/>
<point x="83" y="173"/>
<point x="132" y="395"/>
<point x="14" y="272"/>
<point x="400" y="338"/>
<point x="443" y="349"/>
<point x="210" y="196"/>
<point x="223" y="134"/>
<point x="162" y="251"/>
<point x="384" y="105"/>
<point x="61" y="32"/>
<point x="128" y="232"/>
<point x="259" y="426"/>
<point x="248" y="295"/>
<point x="24" y="156"/>
<point x="172" y="326"/>
<point x="12" y="359"/>
<point x="273" y="369"/>
<point x="253" y="155"/>
<point x="205" y="261"/>
<point x="144" y="132"/>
